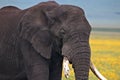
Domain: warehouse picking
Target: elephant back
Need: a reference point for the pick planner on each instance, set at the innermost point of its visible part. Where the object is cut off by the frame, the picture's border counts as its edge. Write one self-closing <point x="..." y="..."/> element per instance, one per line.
<point x="9" y="8"/>
<point x="10" y="58"/>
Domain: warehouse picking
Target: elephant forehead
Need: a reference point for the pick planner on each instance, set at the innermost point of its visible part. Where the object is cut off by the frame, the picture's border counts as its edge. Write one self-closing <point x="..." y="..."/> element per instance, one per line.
<point x="48" y="5"/>
<point x="72" y="9"/>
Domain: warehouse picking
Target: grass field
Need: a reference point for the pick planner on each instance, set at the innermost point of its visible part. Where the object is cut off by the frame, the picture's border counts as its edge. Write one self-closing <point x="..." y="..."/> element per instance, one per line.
<point x="105" y="49"/>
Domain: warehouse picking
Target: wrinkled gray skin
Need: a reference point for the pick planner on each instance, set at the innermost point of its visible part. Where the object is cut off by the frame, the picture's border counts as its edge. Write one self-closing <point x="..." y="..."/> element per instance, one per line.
<point x="72" y="28"/>
<point x="33" y="42"/>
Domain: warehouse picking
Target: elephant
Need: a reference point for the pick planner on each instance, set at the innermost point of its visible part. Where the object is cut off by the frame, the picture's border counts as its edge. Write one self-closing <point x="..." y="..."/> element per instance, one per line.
<point x="34" y="41"/>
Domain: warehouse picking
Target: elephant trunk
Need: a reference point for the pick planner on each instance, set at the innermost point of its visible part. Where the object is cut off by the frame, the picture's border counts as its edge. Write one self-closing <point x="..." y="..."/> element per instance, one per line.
<point x="81" y="62"/>
<point x="78" y="53"/>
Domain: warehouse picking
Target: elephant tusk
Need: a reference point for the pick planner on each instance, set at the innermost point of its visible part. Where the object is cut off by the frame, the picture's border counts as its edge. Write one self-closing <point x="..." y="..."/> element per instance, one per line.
<point x="66" y="68"/>
<point x="96" y="72"/>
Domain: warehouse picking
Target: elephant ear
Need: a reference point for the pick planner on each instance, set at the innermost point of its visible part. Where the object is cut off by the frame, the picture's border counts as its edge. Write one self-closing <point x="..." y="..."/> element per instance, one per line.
<point x="41" y="41"/>
<point x="34" y="29"/>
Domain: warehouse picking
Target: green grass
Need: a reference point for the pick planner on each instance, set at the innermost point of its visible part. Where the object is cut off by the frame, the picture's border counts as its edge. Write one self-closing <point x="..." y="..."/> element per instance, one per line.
<point x="105" y="49"/>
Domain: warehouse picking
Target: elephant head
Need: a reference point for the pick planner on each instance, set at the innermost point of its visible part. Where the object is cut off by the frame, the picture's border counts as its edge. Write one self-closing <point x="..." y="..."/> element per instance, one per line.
<point x="72" y="29"/>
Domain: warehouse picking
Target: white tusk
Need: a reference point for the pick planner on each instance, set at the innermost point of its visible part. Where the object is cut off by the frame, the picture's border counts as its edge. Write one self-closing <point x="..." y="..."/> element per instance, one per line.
<point x="96" y="72"/>
<point x="66" y="68"/>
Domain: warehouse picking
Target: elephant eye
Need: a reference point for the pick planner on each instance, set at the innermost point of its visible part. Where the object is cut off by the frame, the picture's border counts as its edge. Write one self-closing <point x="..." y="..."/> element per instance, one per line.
<point x="62" y="33"/>
<point x="52" y="21"/>
<point x="57" y="20"/>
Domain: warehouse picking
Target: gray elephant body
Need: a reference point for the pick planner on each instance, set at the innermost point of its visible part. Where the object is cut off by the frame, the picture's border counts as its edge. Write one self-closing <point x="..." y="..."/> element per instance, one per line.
<point x="33" y="42"/>
<point x="12" y="62"/>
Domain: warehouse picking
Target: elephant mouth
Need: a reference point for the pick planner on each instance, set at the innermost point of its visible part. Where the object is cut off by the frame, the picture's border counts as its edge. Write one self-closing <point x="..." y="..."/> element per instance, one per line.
<point x="66" y="69"/>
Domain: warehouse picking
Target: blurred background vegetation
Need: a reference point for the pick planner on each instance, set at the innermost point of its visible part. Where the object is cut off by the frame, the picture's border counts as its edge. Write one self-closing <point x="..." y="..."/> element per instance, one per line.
<point x="105" y="49"/>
